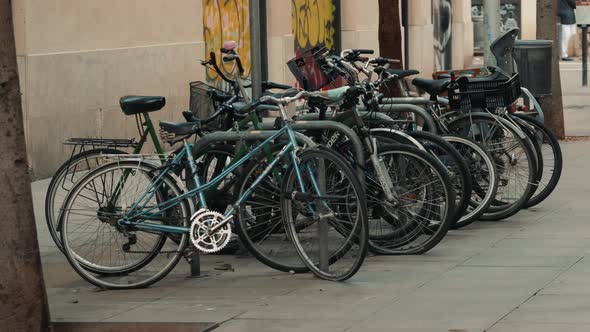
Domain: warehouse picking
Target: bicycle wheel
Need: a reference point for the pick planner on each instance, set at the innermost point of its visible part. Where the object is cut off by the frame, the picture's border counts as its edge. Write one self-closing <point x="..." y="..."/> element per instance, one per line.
<point x="325" y="214"/>
<point x="422" y="211"/>
<point x="552" y="160"/>
<point x="457" y="167"/>
<point x="108" y="254"/>
<point x="513" y="155"/>
<point x="260" y="225"/>
<point x="484" y="179"/>
<point x="64" y="180"/>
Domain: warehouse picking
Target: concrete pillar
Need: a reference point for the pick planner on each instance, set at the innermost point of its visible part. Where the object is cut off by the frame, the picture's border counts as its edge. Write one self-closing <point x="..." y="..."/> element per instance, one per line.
<point x="360" y="24"/>
<point x="528" y="19"/>
<point x="280" y="42"/>
<point x="421" y="36"/>
<point x="462" y="40"/>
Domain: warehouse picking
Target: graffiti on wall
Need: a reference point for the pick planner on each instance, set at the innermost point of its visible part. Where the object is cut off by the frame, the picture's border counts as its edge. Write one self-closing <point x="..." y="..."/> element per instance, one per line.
<point x="442" y="20"/>
<point x="225" y="20"/>
<point x="314" y="24"/>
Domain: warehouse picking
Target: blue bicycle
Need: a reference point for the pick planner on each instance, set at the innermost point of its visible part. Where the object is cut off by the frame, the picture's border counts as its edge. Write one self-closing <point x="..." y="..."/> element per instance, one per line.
<point x="129" y="222"/>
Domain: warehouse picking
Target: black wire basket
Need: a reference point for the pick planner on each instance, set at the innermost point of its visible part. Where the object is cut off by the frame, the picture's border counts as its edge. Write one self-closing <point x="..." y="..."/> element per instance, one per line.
<point x="494" y="92"/>
<point x="310" y="69"/>
<point x="201" y="104"/>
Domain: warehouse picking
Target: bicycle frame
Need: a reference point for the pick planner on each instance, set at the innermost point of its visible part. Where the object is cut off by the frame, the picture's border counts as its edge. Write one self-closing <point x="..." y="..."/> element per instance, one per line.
<point x="139" y="211"/>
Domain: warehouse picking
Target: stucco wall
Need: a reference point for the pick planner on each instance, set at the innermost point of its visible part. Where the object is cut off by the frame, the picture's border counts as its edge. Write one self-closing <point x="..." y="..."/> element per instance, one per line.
<point x="77" y="58"/>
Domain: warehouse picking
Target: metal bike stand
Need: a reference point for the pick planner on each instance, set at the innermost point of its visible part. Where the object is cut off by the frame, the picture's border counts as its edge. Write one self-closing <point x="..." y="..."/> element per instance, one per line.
<point x="235" y="136"/>
<point x="410" y="108"/>
<point x="310" y="122"/>
<point x="194" y="263"/>
<point x="411" y="100"/>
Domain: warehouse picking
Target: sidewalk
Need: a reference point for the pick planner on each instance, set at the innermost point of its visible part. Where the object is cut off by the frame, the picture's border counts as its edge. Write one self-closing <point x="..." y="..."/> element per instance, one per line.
<point x="576" y="99"/>
<point x="529" y="273"/>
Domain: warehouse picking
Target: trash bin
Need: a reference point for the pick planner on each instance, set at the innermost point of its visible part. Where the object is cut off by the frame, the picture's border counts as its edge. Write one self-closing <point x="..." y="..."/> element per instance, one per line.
<point x="533" y="60"/>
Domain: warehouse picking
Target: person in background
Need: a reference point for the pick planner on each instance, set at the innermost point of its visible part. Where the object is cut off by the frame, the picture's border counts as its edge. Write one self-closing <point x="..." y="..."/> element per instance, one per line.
<point x="567" y="15"/>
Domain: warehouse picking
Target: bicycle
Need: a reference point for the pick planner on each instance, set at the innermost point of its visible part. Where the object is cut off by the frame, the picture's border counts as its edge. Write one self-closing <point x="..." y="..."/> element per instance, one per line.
<point x="339" y="215"/>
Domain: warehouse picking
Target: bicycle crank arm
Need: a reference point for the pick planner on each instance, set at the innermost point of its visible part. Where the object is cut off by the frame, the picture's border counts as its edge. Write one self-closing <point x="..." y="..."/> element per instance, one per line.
<point x="214" y="229"/>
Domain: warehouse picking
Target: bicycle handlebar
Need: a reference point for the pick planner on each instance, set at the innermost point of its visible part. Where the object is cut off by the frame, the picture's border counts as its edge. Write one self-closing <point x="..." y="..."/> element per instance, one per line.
<point x="213" y="62"/>
<point x="236" y="58"/>
<point x="284" y="100"/>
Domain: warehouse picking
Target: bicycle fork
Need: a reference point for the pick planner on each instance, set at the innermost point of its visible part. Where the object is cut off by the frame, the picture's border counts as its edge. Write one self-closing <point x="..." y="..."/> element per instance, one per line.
<point x="381" y="172"/>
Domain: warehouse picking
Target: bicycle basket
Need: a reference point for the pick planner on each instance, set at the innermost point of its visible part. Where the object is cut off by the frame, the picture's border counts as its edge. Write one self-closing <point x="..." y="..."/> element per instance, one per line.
<point x="203" y="105"/>
<point x="494" y="92"/>
<point x="309" y="69"/>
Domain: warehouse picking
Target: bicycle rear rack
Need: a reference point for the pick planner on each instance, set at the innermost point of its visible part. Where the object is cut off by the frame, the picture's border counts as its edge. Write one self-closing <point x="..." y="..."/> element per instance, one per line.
<point x="102" y="142"/>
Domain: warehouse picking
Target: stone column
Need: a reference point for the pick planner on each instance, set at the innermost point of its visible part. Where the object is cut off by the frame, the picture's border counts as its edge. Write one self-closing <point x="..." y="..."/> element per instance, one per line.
<point x="462" y="39"/>
<point x="280" y="40"/>
<point x="421" y="36"/>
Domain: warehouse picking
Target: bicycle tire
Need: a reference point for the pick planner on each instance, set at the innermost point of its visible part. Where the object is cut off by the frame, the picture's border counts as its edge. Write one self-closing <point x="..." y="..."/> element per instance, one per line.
<point x="82" y="268"/>
<point x="252" y="222"/>
<point x="557" y="165"/>
<point x="51" y="217"/>
<point x="462" y="180"/>
<point x="431" y="221"/>
<point x="356" y="243"/>
<point x="483" y="170"/>
<point x="463" y="126"/>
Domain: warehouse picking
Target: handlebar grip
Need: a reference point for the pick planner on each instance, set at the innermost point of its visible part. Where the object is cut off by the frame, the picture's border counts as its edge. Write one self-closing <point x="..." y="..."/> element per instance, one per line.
<point x="236" y="58"/>
<point x="363" y="51"/>
<point x="266" y="85"/>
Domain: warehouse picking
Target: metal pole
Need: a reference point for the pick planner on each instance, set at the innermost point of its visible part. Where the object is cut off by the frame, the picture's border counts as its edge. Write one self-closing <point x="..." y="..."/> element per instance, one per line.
<point x="406" y="27"/>
<point x="255" y="48"/>
<point x="491" y="13"/>
<point x="584" y="55"/>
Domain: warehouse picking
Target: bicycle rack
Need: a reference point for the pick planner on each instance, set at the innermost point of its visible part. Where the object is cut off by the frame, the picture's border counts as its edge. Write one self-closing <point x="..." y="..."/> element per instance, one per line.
<point x="410" y="108"/>
<point x="314" y="124"/>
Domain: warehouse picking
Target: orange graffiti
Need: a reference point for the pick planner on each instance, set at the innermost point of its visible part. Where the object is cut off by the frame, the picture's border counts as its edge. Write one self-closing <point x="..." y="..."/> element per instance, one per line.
<point x="225" y="20"/>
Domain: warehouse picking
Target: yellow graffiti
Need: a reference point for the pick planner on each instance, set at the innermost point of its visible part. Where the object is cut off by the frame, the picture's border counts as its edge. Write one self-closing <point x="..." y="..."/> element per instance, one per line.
<point x="225" y="20"/>
<point x="313" y="23"/>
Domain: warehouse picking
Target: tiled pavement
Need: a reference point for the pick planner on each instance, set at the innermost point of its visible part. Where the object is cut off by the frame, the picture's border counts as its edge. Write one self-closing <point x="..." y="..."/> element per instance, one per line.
<point x="528" y="273"/>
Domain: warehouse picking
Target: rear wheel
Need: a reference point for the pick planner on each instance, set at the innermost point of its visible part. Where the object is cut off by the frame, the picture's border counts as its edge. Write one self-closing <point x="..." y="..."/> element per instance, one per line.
<point x="64" y="180"/>
<point x="422" y="210"/>
<point x="484" y="180"/>
<point x="457" y="167"/>
<point x="552" y="160"/>
<point x="513" y="156"/>
<point x="111" y="255"/>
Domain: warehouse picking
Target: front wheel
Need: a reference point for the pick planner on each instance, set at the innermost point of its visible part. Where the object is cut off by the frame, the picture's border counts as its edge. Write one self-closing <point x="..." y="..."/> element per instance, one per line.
<point x="323" y="206"/>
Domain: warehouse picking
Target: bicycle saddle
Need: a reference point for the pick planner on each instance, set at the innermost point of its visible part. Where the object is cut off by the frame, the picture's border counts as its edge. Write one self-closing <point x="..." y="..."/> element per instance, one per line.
<point x="141" y="104"/>
<point x="180" y="129"/>
<point x="433" y="87"/>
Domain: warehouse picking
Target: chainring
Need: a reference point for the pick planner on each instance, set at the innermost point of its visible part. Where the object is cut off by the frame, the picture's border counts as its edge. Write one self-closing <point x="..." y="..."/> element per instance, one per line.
<point x="201" y="222"/>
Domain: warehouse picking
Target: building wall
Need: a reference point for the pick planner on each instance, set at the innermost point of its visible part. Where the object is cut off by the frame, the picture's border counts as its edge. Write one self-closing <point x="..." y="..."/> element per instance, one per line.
<point x="77" y="58"/>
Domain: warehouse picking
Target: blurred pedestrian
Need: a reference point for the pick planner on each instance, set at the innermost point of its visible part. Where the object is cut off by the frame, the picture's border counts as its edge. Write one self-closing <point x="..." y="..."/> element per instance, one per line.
<point x="567" y="15"/>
